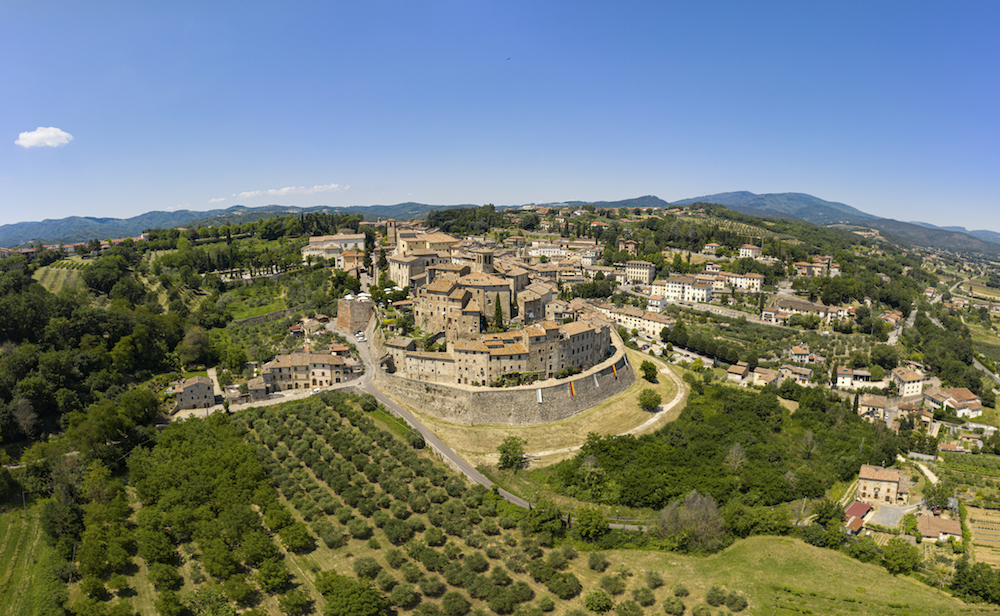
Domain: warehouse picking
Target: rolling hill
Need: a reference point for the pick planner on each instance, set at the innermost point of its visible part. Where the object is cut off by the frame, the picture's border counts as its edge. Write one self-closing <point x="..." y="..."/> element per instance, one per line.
<point x="82" y="228"/>
<point x="933" y="237"/>
<point x="798" y="205"/>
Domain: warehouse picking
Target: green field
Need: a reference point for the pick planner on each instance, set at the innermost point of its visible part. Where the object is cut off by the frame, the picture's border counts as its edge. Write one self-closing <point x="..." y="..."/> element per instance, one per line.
<point x="242" y="311"/>
<point x="54" y="279"/>
<point x="23" y="560"/>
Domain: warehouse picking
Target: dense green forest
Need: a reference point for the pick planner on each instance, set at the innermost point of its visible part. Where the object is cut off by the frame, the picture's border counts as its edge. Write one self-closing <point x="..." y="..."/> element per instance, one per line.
<point x="749" y="448"/>
<point x="465" y="221"/>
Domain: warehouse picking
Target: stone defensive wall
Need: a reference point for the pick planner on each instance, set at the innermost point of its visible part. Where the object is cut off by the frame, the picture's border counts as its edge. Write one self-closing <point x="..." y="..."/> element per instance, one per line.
<point x="524" y="405"/>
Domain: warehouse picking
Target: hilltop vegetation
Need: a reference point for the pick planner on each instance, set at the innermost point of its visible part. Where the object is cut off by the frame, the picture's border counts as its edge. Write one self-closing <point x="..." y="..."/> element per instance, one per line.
<point x="751" y="451"/>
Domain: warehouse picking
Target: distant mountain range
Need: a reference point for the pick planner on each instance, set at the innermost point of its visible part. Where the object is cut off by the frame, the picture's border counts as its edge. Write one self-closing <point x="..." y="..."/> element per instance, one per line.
<point x="983" y="234"/>
<point x="81" y="229"/>
<point x="797" y="206"/>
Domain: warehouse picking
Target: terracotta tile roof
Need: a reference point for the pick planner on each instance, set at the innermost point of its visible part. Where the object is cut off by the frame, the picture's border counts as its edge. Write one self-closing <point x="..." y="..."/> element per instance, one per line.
<point x="877" y="473"/>
<point x="857" y="510"/>
<point x="930" y="526"/>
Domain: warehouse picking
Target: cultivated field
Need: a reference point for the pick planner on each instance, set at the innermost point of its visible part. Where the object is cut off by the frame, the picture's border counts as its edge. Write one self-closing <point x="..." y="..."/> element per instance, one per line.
<point x="56" y="276"/>
<point x="556" y="441"/>
<point x="985" y="527"/>
<point x="20" y="544"/>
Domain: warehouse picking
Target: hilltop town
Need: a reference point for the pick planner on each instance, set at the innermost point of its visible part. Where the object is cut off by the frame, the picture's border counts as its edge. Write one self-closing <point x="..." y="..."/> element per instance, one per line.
<point x="593" y="378"/>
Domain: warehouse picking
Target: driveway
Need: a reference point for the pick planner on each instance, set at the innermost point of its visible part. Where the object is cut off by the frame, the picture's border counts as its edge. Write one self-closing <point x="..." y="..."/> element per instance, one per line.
<point x="890" y="515"/>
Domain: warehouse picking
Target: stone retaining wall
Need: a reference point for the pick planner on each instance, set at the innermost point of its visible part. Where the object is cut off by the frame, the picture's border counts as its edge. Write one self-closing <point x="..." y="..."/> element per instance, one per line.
<point x="547" y="401"/>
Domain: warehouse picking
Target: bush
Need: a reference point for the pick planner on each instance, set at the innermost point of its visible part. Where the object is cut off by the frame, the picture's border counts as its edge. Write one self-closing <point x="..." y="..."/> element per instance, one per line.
<point x="653" y="579"/>
<point x="564" y="585"/>
<point x="598" y="601"/>
<point x="597" y="561"/>
<point x="359" y="529"/>
<point x="673" y="606"/>
<point x="455" y="604"/>
<point x="404" y="596"/>
<point x="546" y="604"/>
<point x="434" y="537"/>
<point x="476" y="562"/>
<point x="367" y="567"/>
<point x="432" y="586"/>
<point x="395" y="558"/>
<point x="163" y="577"/>
<point x="385" y="581"/>
<point x="701" y="610"/>
<point x="736" y="602"/>
<point x="614" y="584"/>
<point x="628" y="608"/>
<point x="715" y="596"/>
<point x="411" y="572"/>
<point x="295" y="602"/>
<point x="681" y="590"/>
<point x="644" y="596"/>
<point x="296" y="538"/>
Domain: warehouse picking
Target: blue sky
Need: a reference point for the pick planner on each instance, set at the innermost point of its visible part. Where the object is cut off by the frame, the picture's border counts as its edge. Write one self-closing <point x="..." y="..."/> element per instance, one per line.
<point x="890" y="107"/>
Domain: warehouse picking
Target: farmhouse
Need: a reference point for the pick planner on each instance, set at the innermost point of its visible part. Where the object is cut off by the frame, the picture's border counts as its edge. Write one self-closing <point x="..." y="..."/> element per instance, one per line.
<point x="303" y="371"/>
<point x="885" y="485"/>
<point x="196" y="392"/>
<point x="938" y="529"/>
<point x="907" y="381"/>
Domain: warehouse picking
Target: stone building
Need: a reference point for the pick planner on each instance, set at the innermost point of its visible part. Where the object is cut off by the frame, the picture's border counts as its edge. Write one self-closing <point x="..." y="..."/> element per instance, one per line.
<point x="884" y="485"/>
<point x="303" y="371"/>
<point x="353" y="312"/>
<point x="196" y="392"/>
<point x="545" y="348"/>
<point x="641" y="272"/>
<point x="329" y="246"/>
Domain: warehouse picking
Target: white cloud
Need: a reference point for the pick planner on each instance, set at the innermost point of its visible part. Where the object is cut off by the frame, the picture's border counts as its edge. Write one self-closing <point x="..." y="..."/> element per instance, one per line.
<point x="218" y="200"/>
<point x="49" y="136"/>
<point x="291" y="190"/>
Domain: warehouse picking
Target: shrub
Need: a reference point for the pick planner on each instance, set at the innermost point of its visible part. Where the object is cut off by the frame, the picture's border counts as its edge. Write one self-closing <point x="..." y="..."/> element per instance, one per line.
<point x="397" y="532"/>
<point x="394" y="558"/>
<point x="295" y="602"/>
<point x="564" y="585"/>
<point x="628" y="608"/>
<point x="644" y="596"/>
<point x="597" y="561"/>
<point x="434" y="536"/>
<point x="701" y="610"/>
<point x="598" y="601"/>
<point x="476" y="562"/>
<point x="614" y="584"/>
<point x="163" y="577"/>
<point x="557" y="560"/>
<point x="400" y="510"/>
<point x="367" y="567"/>
<point x="736" y="601"/>
<point x="546" y="604"/>
<point x="404" y="596"/>
<point x="715" y="596"/>
<point x="681" y="590"/>
<point x="432" y="586"/>
<point x="673" y="606"/>
<point x="411" y="572"/>
<point x="296" y="538"/>
<point x="358" y="529"/>
<point x="653" y="579"/>
<point x="455" y="604"/>
<point x="385" y="581"/>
